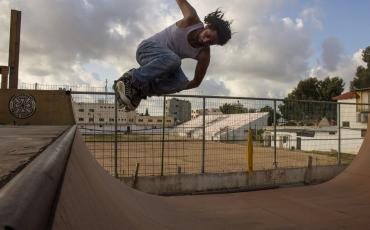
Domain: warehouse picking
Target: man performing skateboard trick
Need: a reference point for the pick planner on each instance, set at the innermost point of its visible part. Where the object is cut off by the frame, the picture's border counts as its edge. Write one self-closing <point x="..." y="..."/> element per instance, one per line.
<point x="160" y="57"/>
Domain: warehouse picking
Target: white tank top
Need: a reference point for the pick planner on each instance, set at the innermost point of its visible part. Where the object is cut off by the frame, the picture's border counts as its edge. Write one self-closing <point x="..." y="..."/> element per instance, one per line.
<point x="176" y="39"/>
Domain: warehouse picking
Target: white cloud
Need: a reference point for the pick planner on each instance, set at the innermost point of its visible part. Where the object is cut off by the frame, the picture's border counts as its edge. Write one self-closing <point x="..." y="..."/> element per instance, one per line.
<point x="313" y="15"/>
<point x="69" y="41"/>
<point x="332" y="53"/>
<point x="345" y="68"/>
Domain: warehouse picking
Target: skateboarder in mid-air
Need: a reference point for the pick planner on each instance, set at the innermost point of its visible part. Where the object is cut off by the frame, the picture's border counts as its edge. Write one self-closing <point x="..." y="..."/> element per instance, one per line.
<point x="160" y="57"/>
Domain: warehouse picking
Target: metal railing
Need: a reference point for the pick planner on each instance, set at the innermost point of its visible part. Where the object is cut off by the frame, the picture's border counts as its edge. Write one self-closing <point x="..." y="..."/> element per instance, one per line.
<point x="162" y="139"/>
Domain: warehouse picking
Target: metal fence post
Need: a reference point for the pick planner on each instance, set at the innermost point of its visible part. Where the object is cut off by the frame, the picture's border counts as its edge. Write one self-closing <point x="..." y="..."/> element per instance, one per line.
<point x="339" y="135"/>
<point x="204" y="135"/>
<point x="115" y="137"/>
<point x="275" y="161"/>
<point x="163" y="130"/>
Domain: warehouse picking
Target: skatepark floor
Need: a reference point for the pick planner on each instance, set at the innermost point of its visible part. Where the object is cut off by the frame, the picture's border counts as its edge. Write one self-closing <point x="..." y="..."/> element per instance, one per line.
<point x="20" y="144"/>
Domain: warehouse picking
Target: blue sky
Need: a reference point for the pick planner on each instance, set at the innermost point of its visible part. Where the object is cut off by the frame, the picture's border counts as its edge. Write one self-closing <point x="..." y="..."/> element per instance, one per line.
<point x="347" y="21"/>
<point x="278" y="43"/>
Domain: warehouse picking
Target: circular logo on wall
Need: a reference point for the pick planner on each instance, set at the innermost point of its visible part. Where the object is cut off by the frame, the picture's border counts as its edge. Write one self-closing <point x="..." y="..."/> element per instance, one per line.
<point x="22" y="106"/>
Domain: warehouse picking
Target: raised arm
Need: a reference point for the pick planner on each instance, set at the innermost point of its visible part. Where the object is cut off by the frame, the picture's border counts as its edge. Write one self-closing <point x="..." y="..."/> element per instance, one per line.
<point x="186" y="9"/>
<point x="190" y="15"/>
<point x="201" y="68"/>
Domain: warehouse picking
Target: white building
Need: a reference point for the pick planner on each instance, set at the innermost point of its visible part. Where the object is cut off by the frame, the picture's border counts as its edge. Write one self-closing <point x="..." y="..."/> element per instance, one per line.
<point x="324" y="139"/>
<point x="104" y="114"/>
<point x="180" y="110"/>
<point x="354" y="116"/>
<point x="353" y="125"/>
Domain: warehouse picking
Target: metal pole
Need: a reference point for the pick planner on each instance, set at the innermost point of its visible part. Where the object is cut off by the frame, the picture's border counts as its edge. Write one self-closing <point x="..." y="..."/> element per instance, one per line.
<point x="339" y="136"/>
<point x="14" y="47"/>
<point x="204" y="136"/>
<point x="275" y="162"/>
<point x="163" y="130"/>
<point x="115" y="137"/>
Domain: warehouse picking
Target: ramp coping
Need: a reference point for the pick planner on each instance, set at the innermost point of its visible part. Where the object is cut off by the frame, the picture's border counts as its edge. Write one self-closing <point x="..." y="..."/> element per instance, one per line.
<point x="26" y="202"/>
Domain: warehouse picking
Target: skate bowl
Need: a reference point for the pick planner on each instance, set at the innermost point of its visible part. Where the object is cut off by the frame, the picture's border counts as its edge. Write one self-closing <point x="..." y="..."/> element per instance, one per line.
<point x="65" y="188"/>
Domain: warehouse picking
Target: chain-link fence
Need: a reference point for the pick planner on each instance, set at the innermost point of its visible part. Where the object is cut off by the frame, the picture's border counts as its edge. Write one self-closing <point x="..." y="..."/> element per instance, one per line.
<point x="185" y="134"/>
<point x="193" y="134"/>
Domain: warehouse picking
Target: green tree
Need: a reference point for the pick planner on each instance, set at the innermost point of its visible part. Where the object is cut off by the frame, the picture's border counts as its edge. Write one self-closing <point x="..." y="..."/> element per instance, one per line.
<point x="316" y="90"/>
<point x="232" y="108"/>
<point x="270" y="119"/>
<point x="362" y="79"/>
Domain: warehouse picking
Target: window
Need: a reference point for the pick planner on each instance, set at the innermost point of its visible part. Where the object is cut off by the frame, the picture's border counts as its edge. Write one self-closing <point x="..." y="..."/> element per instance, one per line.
<point x="168" y="121"/>
<point x="80" y="119"/>
<point x="81" y="110"/>
<point x="140" y="120"/>
<point x="111" y="119"/>
<point x="331" y="133"/>
<point x="91" y="119"/>
<point x="150" y="120"/>
<point x="159" y="120"/>
<point x="101" y="119"/>
<point x="91" y="110"/>
<point x="363" y="132"/>
<point x="345" y="123"/>
<point x="285" y="139"/>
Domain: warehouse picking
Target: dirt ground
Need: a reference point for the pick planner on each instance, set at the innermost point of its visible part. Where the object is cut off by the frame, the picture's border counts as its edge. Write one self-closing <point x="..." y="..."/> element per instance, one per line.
<point x="185" y="156"/>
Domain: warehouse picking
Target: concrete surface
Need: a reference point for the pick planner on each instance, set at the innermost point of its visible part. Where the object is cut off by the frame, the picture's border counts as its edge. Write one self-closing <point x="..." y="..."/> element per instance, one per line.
<point x="242" y="181"/>
<point x="20" y="144"/>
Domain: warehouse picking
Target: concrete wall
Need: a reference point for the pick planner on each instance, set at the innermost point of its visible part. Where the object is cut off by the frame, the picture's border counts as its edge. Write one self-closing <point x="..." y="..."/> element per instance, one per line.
<point x="33" y="107"/>
<point x="190" y="184"/>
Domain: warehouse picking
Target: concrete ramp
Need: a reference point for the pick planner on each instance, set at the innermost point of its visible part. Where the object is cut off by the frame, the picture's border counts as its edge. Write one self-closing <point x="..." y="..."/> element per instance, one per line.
<point x="92" y="199"/>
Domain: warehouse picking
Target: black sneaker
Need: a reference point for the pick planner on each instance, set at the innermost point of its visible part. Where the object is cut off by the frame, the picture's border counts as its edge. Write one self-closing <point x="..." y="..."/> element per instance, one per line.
<point x="124" y="92"/>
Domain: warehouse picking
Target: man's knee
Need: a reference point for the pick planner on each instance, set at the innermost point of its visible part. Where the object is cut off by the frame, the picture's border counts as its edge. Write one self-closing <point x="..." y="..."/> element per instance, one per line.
<point x="173" y="61"/>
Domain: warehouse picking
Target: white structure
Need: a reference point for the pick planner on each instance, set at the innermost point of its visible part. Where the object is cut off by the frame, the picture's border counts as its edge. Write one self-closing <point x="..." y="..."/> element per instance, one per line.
<point x="323" y="139"/>
<point x="354" y="116"/>
<point x="353" y="125"/>
<point x="223" y="127"/>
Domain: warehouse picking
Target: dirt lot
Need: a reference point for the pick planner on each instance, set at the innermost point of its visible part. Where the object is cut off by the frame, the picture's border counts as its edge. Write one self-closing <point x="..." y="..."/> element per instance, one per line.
<point x="185" y="156"/>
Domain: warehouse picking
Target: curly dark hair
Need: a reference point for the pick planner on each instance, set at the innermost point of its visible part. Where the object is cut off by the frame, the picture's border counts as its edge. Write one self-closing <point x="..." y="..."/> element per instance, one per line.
<point x="216" y="21"/>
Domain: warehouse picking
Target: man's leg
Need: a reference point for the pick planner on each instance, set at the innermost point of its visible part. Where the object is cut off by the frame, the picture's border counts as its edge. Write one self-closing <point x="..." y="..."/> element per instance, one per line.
<point x="169" y="84"/>
<point x="155" y="61"/>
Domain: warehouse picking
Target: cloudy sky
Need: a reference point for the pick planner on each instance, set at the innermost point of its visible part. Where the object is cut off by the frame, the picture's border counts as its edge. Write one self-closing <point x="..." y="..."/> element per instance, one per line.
<point x="276" y="43"/>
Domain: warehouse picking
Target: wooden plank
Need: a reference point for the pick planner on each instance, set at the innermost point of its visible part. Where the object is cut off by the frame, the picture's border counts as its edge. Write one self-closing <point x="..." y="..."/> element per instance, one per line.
<point x="14" y="46"/>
